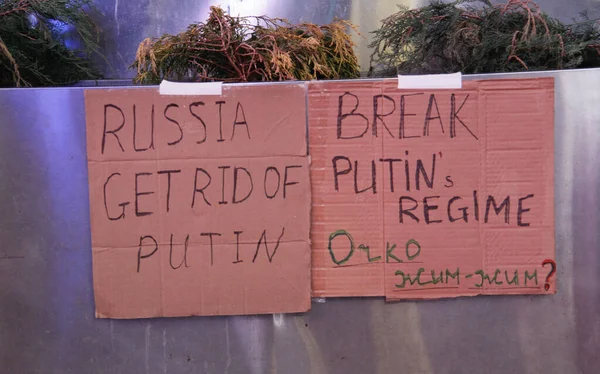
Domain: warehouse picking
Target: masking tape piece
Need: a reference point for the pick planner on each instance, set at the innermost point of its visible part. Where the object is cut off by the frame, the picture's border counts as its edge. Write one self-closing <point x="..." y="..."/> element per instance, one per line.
<point x="204" y="88"/>
<point x="434" y="81"/>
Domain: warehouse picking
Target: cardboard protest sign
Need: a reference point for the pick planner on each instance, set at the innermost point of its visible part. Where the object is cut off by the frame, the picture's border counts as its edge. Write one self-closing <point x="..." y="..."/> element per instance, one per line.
<point x="200" y="205"/>
<point x="422" y="194"/>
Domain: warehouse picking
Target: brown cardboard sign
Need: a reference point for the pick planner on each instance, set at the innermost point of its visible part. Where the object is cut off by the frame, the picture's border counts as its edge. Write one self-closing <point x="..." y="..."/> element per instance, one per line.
<point x="421" y="194"/>
<point x="200" y="205"/>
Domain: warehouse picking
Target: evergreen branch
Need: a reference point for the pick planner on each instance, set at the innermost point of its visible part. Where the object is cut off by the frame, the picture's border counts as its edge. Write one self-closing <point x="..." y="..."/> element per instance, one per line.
<point x="33" y="50"/>
<point x="13" y="64"/>
<point x="248" y="49"/>
<point x="515" y="36"/>
<point x="20" y="6"/>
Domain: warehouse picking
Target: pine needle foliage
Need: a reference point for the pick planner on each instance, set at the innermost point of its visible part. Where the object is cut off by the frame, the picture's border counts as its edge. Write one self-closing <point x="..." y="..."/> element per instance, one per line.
<point x="474" y="36"/>
<point x="33" y="49"/>
<point x="248" y="49"/>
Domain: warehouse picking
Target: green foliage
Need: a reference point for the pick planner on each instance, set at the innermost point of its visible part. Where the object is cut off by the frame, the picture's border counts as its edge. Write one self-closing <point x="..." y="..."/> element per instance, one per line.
<point x="32" y="43"/>
<point x="248" y="49"/>
<point x="474" y="36"/>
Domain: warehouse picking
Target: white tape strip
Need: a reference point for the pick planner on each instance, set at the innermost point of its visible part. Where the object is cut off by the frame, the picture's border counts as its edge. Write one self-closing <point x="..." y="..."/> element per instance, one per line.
<point x="437" y="81"/>
<point x="204" y="88"/>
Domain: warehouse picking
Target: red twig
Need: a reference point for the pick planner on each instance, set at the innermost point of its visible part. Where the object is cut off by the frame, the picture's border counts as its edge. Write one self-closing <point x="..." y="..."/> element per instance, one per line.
<point x="518" y="59"/>
<point x="534" y="15"/>
<point x="473" y="16"/>
<point x="21" y="6"/>
<point x="562" y="45"/>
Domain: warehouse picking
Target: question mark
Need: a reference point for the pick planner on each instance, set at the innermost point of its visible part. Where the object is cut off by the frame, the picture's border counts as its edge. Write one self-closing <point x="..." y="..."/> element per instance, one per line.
<point x="553" y="265"/>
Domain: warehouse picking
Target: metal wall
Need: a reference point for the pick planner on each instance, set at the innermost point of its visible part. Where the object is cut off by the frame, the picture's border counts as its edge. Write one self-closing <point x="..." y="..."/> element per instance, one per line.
<point x="125" y="23"/>
<point x="47" y="322"/>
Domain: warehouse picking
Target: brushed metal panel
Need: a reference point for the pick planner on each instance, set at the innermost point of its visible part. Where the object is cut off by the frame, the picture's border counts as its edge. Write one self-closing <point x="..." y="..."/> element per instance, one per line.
<point x="47" y="322"/>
